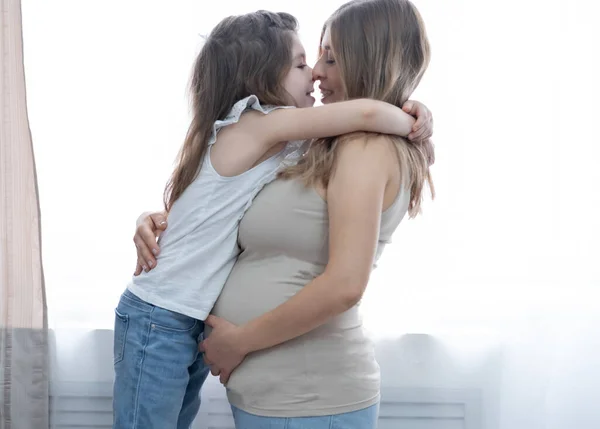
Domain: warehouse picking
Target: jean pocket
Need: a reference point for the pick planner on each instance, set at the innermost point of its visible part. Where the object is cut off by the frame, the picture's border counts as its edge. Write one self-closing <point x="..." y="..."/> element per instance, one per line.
<point x="121" y="325"/>
<point x="170" y="321"/>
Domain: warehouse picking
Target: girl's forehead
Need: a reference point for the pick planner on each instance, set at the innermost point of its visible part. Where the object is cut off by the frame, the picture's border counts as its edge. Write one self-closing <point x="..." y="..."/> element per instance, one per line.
<point x="297" y="47"/>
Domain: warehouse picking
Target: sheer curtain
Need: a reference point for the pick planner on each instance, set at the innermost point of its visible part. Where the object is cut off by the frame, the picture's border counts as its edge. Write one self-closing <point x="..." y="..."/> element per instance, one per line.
<point x="23" y="319"/>
<point x="490" y="292"/>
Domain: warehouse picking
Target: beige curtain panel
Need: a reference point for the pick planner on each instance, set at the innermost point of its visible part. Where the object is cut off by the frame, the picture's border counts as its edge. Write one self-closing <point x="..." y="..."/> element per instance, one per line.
<point x="23" y="312"/>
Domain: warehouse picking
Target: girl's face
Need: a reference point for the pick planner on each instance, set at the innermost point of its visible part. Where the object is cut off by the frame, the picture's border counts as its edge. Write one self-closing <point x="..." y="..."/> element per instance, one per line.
<point x="298" y="82"/>
<point x="328" y="73"/>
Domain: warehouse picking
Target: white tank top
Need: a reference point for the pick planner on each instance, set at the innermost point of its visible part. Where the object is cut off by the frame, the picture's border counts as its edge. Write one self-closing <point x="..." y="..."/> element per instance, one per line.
<point x="199" y="246"/>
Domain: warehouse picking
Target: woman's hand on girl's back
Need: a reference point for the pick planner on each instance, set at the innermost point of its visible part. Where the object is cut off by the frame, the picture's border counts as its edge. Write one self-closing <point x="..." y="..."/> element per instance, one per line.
<point x="148" y="228"/>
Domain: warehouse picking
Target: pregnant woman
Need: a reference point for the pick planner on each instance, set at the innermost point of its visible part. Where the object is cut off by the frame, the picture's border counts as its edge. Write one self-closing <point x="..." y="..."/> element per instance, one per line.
<point x="288" y="314"/>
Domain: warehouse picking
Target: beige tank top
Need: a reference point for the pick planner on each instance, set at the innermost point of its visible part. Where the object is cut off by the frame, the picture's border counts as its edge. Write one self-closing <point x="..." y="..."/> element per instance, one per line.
<point x="331" y="370"/>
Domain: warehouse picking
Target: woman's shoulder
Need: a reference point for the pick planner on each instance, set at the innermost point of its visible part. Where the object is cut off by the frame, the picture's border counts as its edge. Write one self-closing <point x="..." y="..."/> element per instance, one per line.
<point x="365" y="144"/>
<point x="371" y="154"/>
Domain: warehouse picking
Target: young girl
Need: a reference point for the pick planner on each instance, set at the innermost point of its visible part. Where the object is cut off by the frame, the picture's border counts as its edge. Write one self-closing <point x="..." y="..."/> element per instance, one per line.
<point x="249" y="69"/>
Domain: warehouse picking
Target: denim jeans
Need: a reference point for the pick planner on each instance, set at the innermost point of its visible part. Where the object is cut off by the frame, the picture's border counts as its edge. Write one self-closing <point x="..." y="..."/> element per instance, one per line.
<point x="158" y="369"/>
<point x="361" y="419"/>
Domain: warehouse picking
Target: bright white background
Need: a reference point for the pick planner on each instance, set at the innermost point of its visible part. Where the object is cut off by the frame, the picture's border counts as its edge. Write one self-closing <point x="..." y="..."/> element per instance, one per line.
<point x="508" y="254"/>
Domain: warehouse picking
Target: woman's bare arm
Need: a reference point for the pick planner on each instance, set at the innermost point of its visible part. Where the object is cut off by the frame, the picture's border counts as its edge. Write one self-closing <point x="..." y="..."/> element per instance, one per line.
<point x="355" y="199"/>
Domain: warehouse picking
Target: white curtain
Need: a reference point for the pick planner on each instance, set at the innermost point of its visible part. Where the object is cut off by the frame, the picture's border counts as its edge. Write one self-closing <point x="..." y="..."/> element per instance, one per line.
<point x="491" y="291"/>
<point x="24" y="399"/>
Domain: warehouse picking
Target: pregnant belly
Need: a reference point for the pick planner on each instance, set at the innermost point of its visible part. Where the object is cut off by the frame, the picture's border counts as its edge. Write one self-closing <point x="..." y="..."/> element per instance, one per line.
<point x="256" y="287"/>
<point x="331" y="366"/>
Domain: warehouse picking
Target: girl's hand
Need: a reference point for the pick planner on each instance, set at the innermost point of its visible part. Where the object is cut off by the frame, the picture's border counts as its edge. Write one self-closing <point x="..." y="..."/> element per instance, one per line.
<point x="423" y="127"/>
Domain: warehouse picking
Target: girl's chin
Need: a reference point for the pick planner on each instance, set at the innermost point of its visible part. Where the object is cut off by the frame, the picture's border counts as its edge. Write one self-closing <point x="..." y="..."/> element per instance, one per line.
<point x="308" y="101"/>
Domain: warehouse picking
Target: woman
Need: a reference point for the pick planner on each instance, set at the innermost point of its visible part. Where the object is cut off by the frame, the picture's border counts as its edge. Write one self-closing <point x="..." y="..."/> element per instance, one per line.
<point x="250" y="71"/>
<point x="288" y="313"/>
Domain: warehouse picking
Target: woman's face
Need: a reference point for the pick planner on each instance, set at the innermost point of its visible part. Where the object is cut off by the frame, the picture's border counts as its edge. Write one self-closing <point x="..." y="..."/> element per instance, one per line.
<point x="326" y="71"/>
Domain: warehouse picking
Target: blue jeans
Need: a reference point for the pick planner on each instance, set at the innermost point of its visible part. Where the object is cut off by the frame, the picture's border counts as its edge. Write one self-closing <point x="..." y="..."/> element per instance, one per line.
<point x="361" y="419"/>
<point x="158" y="369"/>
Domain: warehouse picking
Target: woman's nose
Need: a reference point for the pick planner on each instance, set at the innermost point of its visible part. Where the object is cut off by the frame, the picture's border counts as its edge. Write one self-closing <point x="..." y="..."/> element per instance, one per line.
<point x="317" y="73"/>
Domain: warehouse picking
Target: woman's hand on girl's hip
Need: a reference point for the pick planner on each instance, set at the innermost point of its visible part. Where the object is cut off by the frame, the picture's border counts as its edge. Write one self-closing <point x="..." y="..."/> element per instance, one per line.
<point x="222" y="348"/>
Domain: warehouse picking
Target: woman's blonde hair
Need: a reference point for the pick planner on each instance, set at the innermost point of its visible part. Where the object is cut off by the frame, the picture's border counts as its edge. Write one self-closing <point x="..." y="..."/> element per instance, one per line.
<point x="382" y="51"/>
